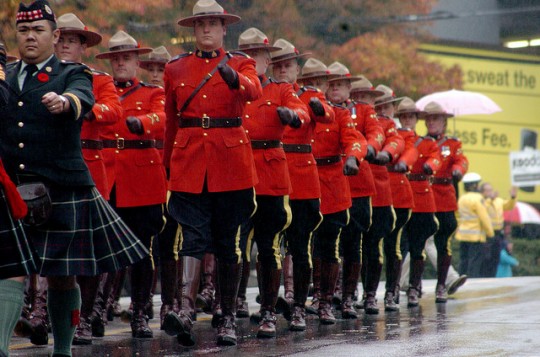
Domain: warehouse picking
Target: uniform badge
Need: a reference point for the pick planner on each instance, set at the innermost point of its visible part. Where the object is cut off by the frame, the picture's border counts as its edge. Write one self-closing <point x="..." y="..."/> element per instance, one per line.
<point x="48" y="9"/>
<point x="445" y="151"/>
<point x="48" y="68"/>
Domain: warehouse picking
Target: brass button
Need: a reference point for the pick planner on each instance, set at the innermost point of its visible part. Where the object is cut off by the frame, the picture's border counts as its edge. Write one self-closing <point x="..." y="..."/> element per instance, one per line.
<point x="182" y="84"/>
<point x="247" y="116"/>
<point x="151" y="161"/>
<point x="96" y="156"/>
<point x="207" y="61"/>
<point x="20" y="104"/>
<point x="21" y="166"/>
<point x="117" y="151"/>
<point x="205" y="134"/>
<point x="121" y="90"/>
<point x="204" y="96"/>
<point x="241" y="141"/>
<point x="116" y="135"/>
<point x="21" y="145"/>
<point x="327" y="130"/>
<point x="309" y="162"/>
<point x="248" y="102"/>
<point x="20" y="124"/>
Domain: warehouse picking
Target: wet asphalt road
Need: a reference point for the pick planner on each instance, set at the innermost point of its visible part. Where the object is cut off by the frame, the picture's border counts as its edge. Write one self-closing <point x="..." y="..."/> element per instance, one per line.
<point x="487" y="317"/>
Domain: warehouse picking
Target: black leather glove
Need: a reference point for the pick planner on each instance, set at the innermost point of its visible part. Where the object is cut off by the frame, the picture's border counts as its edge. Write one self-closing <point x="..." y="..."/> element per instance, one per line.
<point x="229" y="76"/>
<point x="90" y="116"/>
<point x="370" y="156"/>
<point x="401" y="167"/>
<point x="168" y="173"/>
<point x="351" y="166"/>
<point x="134" y="125"/>
<point x="382" y="158"/>
<point x="316" y="106"/>
<point x="457" y="175"/>
<point x="289" y="117"/>
<point x="427" y="169"/>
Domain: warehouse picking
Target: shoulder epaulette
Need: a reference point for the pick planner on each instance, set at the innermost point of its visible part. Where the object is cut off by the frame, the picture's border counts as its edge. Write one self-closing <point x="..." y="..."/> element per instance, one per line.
<point x="310" y="89"/>
<point x="239" y="53"/>
<point x="404" y="129"/>
<point x="337" y="105"/>
<point x="149" y="85"/>
<point x="71" y="62"/>
<point x="427" y="137"/>
<point x="99" y="73"/>
<point x="273" y="80"/>
<point x="182" y="55"/>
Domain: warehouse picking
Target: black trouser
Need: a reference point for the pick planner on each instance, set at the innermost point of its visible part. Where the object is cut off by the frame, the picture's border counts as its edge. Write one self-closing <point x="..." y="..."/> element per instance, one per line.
<point x="212" y="219"/>
<point x="418" y="229"/>
<point x="306" y="217"/>
<point x="328" y="234"/>
<point x="383" y="220"/>
<point x="169" y="239"/>
<point x="447" y="228"/>
<point x="492" y="254"/>
<point x="351" y="239"/>
<point x="273" y="215"/>
<point x="470" y="258"/>
<point x="392" y="242"/>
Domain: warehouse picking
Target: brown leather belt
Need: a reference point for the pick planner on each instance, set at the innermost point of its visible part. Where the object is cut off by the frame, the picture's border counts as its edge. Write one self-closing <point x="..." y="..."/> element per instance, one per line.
<point x="301" y="148"/>
<point x="91" y="144"/>
<point x="207" y="122"/>
<point x="159" y="144"/>
<point x="417" y="177"/>
<point x="121" y="144"/>
<point x="441" y="180"/>
<point x="328" y="160"/>
<point x="265" y="144"/>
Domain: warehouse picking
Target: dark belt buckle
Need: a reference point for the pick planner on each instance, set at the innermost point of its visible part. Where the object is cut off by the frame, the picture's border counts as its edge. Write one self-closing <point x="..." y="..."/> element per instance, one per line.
<point x="120" y="144"/>
<point x="205" y="122"/>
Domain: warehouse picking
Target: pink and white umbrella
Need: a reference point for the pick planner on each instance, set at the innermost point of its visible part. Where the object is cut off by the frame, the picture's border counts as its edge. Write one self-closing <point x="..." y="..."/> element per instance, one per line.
<point x="460" y="102"/>
<point x="522" y="213"/>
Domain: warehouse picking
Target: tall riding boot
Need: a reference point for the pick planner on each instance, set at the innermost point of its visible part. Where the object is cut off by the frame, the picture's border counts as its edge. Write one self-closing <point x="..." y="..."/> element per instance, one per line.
<point x="414" y="293"/>
<point x="338" y="293"/>
<point x="301" y="275"/>
<point x="270" y="281"/>
<point x="443" y="264"/>
<point x="284" y="305"/>
<point x="23" y="327"/>
<point x="169" y="283"/>
<point x="242" y="309"/>
<point x="150" y="304"/>
<point x="256" y="316"/>
<point x="113" y="301"/>
<point x="99" y="312"/>
<point x="393" y="273"/>
<point x="217" y="312"/>
<point x="229" y="278"/>
<point x="314" y="307"/>
<point x="205" y="298"/>
<point x="328" y="286"/>
<point x="181" y="324"/>
<point x="360" y="304"/>
<point x="141" y="284"/>
<point x="373" y="275"/>
<point x="39" y="319"/>
<point x="351" y="273"/>
<point x="89" y="286"/>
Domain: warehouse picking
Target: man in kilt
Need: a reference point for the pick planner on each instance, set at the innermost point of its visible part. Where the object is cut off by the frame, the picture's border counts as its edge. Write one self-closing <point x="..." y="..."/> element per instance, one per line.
<point x="40" y="144"/>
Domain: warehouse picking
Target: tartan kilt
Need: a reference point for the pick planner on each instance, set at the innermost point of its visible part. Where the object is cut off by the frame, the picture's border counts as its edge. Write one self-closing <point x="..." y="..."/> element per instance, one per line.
<point x="16" y="258"/>
<point x="83" y="236"/>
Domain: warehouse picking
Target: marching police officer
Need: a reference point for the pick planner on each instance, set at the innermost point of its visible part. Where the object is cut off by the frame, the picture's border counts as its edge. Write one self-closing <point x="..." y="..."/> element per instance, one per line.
<point x="210" y="160"/>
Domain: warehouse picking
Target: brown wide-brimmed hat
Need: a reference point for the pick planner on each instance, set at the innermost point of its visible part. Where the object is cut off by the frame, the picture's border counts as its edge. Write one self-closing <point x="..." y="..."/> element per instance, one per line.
<point x="287" y="52"/>
<point x="159" y="55"/>
<point x="70" y="23"/>
<point x="388" y="97"/>
<point x="255" y="39"/>
<point x="363" y="85"/>
<point x="434" y="108"/>
<point x="205" y="9"/>
<point x="122" y="42"/>
<point x="313" y="68"/>
<point x="341" y="72"/>
<point x="406" y="106"/>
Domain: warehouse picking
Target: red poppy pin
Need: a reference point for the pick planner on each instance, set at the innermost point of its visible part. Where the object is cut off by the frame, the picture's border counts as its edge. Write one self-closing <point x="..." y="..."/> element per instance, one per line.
<point x="43" y="77"/>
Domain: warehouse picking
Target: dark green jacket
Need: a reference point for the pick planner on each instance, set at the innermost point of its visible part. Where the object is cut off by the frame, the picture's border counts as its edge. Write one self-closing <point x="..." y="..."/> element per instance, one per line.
<point x="34" y="141"/>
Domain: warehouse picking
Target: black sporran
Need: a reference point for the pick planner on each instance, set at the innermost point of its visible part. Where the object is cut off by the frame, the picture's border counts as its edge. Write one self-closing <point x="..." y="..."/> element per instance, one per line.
<point x="36" y="196"/>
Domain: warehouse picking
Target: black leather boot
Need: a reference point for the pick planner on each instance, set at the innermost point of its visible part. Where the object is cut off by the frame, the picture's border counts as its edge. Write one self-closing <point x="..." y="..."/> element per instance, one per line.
<point x="351" y="273"/>
<point x="443" y="264"/>
<point x="301" y="275"/>
<point x="242" y="309"/>
<point x="142" y="276"/>
<point x="284" y="304"/>
<point x="89" y="286"/>
<point x="229" y="279"/>
<point x="393" y="273"/>
<point x="373" y="275"/>
<point x="270" y="281"/>
<point x="328" y="286"/>
<point x="313" y="308"/>
<point x="414" y="293"/>
<point x="169" y="284"/>
<point x="205" y="298"/>
<point x="39" y="318"/>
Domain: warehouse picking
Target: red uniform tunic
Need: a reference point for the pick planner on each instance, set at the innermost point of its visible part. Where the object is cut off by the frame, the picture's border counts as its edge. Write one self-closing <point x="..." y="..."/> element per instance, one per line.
<point x="452" y="158"/>
<point x="262" y="123"/>
<point x="302" y="166"/>
<point x="106" y="111"/>
<point x="402" y="195"/>
<point x="366" y="122"/>
<point x="330" y="142"/>
<point x="220" y="156"/>
<point x="428" y="152"/>
<point x="394" y="145"/>
<point x="139" y="174"/>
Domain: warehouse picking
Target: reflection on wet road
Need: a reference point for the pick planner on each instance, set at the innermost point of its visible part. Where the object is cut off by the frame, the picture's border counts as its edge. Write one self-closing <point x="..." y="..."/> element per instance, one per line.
<point x="487" y="317"/>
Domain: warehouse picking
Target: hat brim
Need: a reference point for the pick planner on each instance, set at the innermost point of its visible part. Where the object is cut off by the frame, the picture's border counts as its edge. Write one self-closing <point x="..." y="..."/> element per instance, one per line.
<point x="316" y="75"/>
<point x="258" y="47"/>
<point x="340" y="77"/>
<point x="140" y="51"/>
<point x="92" y="38"/>
<point x="447" y="115"/>
<point x="419" y="113"/>
<point x="391" y="100"/>
<point x="289" y="57"/>
<point x="145" y="64"/>
<point x="373" y="92"/>
<point x="228" y="19"/>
